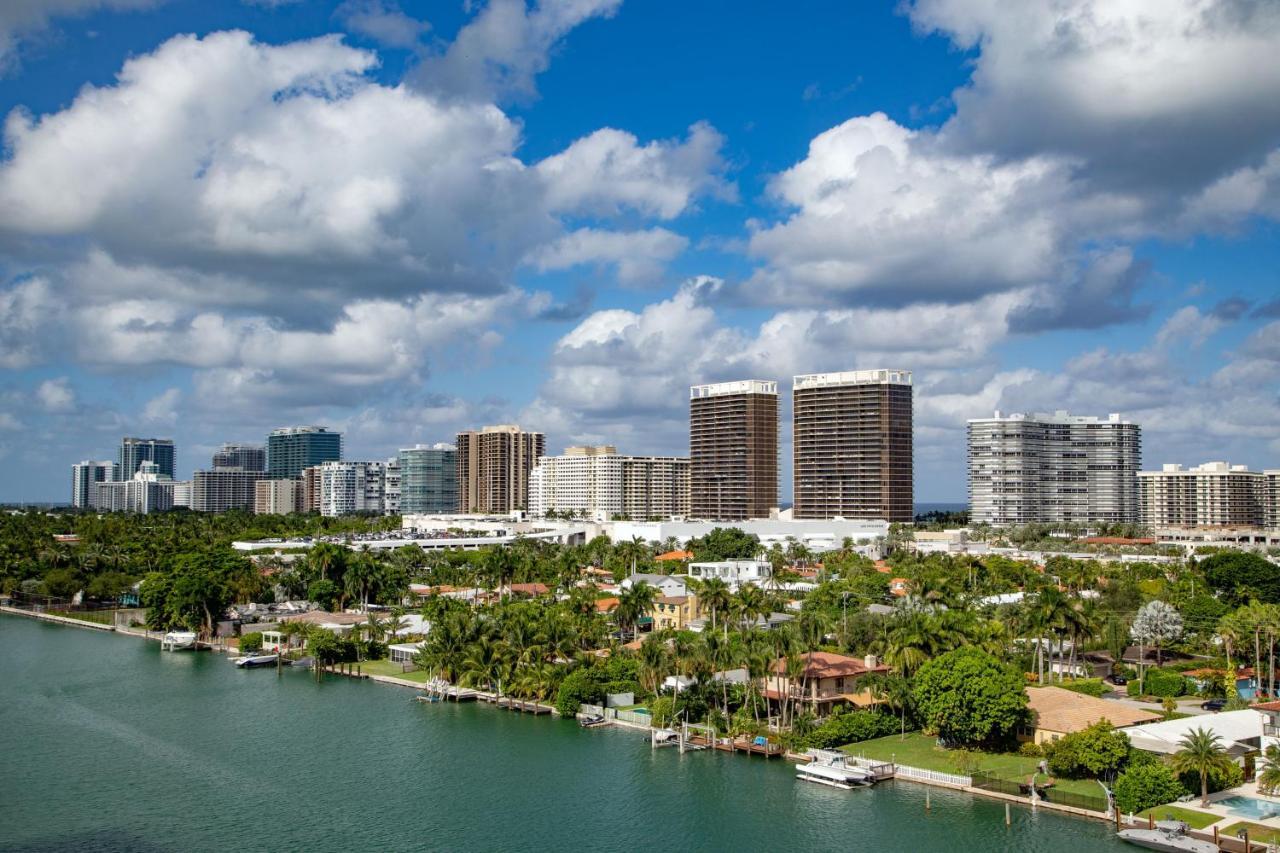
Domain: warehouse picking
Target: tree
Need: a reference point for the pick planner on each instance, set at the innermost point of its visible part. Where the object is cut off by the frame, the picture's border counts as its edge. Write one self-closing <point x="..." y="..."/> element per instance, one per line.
<point x="633" y="604"/>
<point x="1201" y="753"/>
<point x="1146" y="785"/>
<point x="1269" y="776"/>
<point x="724" y="543"/>
<point x="1098" y="752"/>
<point x="1156" y="624"/>
<point x="1241" y="575"/>
<point x="968" y="696"/>
<point x="716" y="597"/>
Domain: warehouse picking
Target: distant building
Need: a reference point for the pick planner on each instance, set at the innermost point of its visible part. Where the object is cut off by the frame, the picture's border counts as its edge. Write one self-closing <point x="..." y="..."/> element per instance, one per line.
<point x="734" y="573"/>
<point x="349" y="487"/>
<point x="85" y="477"/>
<point x="1026" y="468"/>
<point x="309" y="493"/>
<point x="1271" y="503"/>
<point x="224" y="489"/>
<point x="852" y="445"/>
<point x="146" y="491"/>
<point x="240" y="457"/>
<point x="1213" y="494"/>
<point x="429" y="478"/>
<point x="733" y="450"/>
<point x="277" y="497"/>
<point x="135" y="451"/>
<point x="391" y="487"/>
<point x="290" y="450"/>
<point x="596" y="482"/>
<point x="493" y="468"/>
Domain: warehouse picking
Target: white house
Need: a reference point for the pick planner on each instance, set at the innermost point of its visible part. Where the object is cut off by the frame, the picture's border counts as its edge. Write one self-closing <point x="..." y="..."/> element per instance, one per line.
<point x="733" y="572"/>
<point x="670" y="586"/>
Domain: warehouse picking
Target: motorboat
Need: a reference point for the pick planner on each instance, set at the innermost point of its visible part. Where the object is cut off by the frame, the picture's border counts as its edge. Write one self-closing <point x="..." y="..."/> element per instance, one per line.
<point x="250" y="661"/>
<point x="590" y="721"/>
<point x="1168" y="835"/>
<point x="176" y="640"/>
<point x="835" y="772"/>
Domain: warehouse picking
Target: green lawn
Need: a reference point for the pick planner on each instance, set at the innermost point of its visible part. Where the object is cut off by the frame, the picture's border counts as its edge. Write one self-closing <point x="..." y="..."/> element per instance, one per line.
<point x="386" y="667"/>
<point x="1192" y="818"/>
<point x="918" y="750"/>
<point x="1258" y="834"/>
<point x="99" y="617"/>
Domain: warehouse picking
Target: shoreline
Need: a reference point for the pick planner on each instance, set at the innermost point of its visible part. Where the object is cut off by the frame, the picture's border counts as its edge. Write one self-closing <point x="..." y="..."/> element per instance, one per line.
<point x="491" y="699"/>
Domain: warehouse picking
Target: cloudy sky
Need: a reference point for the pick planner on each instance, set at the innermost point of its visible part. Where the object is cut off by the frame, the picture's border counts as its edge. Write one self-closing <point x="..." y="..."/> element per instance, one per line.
<point x="402" y="219"/>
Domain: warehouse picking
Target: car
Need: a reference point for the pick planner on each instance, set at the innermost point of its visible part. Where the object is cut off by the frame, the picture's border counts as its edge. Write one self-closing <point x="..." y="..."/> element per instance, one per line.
<point x="1214" y="704"/>
<point x="1119" y="680"/>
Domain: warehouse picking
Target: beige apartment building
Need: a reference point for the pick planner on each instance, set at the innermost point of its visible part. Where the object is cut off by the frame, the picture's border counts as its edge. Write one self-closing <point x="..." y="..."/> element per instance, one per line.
<point x="1210" y="495"/>
<point x="852" y="445"/>
<point x="493" y="468"/>
<point x="733" y="450"/>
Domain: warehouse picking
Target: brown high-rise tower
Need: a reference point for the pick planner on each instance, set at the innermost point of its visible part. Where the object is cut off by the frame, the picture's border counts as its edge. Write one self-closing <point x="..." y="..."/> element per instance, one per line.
<point x="852" y="443"/>
<point x="493" y="468"/>
<point x="733" y="450"/>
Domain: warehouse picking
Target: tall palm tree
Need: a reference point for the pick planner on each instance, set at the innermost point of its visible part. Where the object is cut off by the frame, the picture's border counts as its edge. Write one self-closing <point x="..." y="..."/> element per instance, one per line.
<point x="1269" y="776"/>
<point x="654" y="661"/>
<point x="633" y="604"/>
<point x="485" y="663"/>
<point x="1201" y="753"/>
<point x="717" y="598"/>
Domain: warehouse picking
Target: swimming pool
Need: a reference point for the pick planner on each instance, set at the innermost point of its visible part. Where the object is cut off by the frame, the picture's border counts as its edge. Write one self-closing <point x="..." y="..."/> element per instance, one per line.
<point x="1251" y="807"/>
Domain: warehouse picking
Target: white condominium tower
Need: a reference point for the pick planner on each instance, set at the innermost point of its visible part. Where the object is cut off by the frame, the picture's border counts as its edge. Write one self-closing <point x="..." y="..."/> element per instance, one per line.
<point x="596" y="481"/>
<point x="1056" y="467"/>
<point x="1213" y="494"/>
<point x="85" y="477"/>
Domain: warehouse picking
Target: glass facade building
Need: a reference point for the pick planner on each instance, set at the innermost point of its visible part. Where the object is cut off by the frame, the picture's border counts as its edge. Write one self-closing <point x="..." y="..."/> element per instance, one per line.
<point x="135" y="451"/>
<point x="291" y="450"/>
<point x="429" y="479"/>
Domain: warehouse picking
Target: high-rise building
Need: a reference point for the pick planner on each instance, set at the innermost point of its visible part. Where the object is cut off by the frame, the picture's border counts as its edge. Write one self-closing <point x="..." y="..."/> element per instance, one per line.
<point x="391" y="487"/>
<point x="596" y="482"/>
<point x="349" y="487"/>
<point x="292" y="449"/>
<point x="733" y="450"/>
<point x="852" y="445"/>
<point x="429" y="479"/>
<point x="224" y="489"/>
<point x="240" y="457"/>
<point x="309" y="493"/>
<point x="1027" y="468"/>
<point x="85" y="477"/>
<point x="1215" y="494"/>
<point x="277" y="497"/>
<point x="1271" y="504"/>
<point x="148" y="490"/>
<point x="493" y="468"/>
<point x="135" y="451"/>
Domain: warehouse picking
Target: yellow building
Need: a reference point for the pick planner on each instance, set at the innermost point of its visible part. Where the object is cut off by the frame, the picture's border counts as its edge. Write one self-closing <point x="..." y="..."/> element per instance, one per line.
<point x="675" y="612"/>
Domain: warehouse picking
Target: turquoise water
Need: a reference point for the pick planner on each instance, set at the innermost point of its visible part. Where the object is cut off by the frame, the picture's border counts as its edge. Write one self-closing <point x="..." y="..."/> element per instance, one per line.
<point x="1251" y="807"/>
<point x="108" y="744"/>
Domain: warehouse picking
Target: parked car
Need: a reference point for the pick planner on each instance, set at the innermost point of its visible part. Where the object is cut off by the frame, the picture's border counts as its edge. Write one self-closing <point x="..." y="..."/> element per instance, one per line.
<point x="1119" y="680"/>
<point x="1214" y="704"/>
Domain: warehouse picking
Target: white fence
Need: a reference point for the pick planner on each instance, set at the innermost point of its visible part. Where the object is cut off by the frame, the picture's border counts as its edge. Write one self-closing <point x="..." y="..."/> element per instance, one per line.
<point x="920" y="775"/>
<point x="616" y="714"/>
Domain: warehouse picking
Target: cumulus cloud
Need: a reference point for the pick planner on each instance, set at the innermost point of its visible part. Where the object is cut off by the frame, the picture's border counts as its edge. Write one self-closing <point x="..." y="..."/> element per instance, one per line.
<point x="24" y="19"/>
<point x="384" y="22"/>
<point x="638" y="255"/>
<point x="27" y="309"/>
<point x="56" y="396"/>
<point x="163" y="408"/>
<point x="502" y="50"/>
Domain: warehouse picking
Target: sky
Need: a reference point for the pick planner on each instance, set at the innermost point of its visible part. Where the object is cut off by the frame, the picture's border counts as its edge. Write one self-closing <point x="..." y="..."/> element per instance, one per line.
<point x="404" y="219"/>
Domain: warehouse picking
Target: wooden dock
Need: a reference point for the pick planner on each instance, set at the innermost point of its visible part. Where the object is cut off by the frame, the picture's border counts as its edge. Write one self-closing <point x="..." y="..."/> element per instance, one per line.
<point x="520" y="705"/>
<point x="768" y="749"/>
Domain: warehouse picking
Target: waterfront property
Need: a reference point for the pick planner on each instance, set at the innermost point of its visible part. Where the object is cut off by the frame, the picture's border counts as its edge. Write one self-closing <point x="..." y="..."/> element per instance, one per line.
<point x="827" y="680"/>
<point x="1056" y="712"/>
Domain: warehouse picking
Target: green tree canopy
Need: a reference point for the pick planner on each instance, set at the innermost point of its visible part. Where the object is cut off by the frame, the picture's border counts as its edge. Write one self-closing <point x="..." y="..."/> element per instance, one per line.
<point x="1240" y="576"/>
<point x="725" y="543"/>
<point x="968" y="696"/>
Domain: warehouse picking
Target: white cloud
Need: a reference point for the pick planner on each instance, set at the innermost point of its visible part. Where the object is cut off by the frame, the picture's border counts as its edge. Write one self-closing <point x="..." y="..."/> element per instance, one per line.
<point x="27" y="309"/>
<point x="639" y="255"/>
<point x="23" y="19"/>
<point x="609" y="171"/>
<point x="56" y="396"/>
<point x="163" y="408"/>
<point x="501" y="51"/>
<point x="384" y="22"/>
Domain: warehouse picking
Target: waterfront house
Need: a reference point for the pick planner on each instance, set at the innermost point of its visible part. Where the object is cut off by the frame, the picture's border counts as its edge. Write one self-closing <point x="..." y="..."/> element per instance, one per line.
<point x="1056" y="711"/>
<point x="1240" y="732"/>
<point x="828" y="680"/>
<point x="404" y="652"/>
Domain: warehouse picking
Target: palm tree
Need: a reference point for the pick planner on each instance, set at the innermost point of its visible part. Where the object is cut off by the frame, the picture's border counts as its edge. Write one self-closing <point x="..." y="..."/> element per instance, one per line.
<point x="1269" y="776"/>
<point x="1201" y="753"/>
<point x="653" y="661"/>
<point x="716" y="597"/>
<point x="633" y="604"/>
<point x="751" y="604"/>
<point x="485" y="663"/>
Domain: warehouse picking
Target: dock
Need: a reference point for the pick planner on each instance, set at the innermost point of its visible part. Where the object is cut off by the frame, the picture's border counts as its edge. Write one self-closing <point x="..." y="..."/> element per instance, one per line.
<point x="438" y="690"/>
<point x="524" y="707"/>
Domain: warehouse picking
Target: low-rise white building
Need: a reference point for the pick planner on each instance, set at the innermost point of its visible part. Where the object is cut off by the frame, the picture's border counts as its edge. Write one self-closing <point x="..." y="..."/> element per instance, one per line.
<point x="866" y="535"/>
<point x="733" y="572"/>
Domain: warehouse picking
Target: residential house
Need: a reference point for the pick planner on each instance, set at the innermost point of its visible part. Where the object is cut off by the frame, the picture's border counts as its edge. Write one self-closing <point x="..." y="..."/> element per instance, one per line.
<point x="668" y="585"/>
<point x="675" y="612"/>
<point x="735" y="573"/>
<point x="1056" y="711"/>
<point x="827" y="680"/>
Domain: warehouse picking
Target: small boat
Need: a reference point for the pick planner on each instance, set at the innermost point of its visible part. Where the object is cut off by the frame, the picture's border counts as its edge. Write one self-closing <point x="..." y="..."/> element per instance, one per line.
<point x="249" y="661"/>
<point x="591" y="721"/>
<point x="1168" y="835"/>
<point x="175" y="640"/>
<point x="301" y="662"/>
<point x="835" y="772"/>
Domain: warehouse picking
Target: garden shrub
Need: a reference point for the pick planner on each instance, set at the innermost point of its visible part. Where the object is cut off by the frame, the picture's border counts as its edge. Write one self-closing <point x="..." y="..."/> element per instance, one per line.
<point x="1164" y="682"/>
<point x="250" y="642"/>
<point x="1219" y="779"/>
<point x="1145" y="786"/>
<point x="1087" y="686"/>
<point x="850" y="727"/>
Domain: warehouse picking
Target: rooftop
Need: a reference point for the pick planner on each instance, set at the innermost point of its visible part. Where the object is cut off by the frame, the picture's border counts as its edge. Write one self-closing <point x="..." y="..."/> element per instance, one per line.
<point x="851" y="377"/>
<point x="1060" y="710"/>
<point x="830" y="665"/>
<point x="743" y="386"/>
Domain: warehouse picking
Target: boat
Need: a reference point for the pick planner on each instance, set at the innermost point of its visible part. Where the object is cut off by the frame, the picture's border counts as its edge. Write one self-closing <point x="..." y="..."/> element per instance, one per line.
<point x="175" y="640"/>
<point x="835" y="772"/>
<point x="1168" y="835"/>
<point x="301" y="662"/>
<point x="590" y="721"/>
<point x="249" y="661"/>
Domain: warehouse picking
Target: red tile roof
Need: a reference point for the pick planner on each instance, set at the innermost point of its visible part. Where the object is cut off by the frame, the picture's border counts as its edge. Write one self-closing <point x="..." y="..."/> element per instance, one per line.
<point x="830" y="665"/>
<point x="675" y="555"/>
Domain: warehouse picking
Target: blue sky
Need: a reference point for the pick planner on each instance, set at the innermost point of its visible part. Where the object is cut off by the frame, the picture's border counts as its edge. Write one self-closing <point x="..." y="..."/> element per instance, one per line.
<point x="401" y="220"/>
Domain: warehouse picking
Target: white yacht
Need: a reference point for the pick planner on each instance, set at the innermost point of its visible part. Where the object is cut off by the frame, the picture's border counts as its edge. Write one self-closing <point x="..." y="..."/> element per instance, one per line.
<point x="1168" y="835"/>
<point x="175" y="640"/>
<point x="835" y="771"/>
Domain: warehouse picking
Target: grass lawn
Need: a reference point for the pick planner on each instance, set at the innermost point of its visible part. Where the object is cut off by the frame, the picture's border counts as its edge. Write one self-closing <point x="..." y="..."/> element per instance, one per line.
<point x="1192" y="818"/>
<point x="99" y="617"/>
<point x="921" y="751"/>
<point x="1258" y="834"/>
<point x="386" y="667"/>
